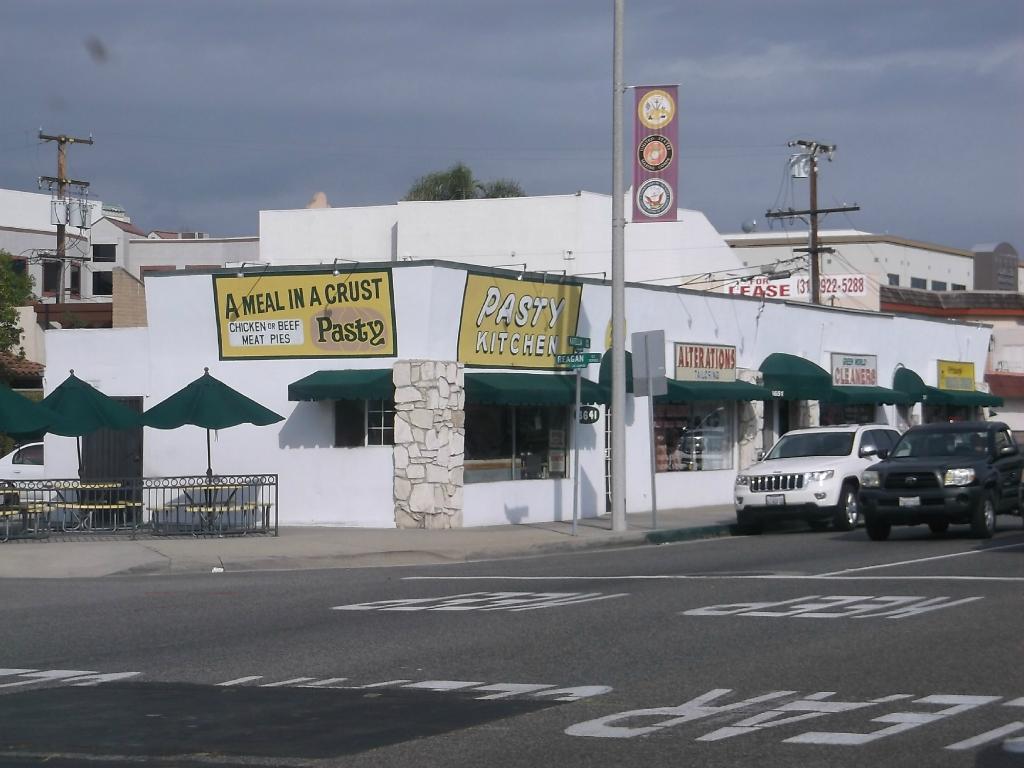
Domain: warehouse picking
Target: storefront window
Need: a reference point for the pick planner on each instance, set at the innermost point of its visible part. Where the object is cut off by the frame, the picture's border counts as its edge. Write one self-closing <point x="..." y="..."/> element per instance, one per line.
<point x="834" y="413"/>
<point x="515" y="443"/>
<point x="694" y="436"/>
<point x="364" y="422"/>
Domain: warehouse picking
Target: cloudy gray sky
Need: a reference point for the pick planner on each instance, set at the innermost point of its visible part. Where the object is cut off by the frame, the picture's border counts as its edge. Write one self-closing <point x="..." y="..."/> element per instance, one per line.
<point x="206" y="112"/>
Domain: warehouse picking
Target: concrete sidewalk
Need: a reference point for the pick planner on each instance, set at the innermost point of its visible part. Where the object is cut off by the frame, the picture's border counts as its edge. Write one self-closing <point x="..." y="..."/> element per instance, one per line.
<point x="91" y="555"/>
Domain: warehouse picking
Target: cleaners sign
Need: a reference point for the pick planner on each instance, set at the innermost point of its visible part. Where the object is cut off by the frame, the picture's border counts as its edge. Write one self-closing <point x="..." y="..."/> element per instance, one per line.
<point x="268" y="315"/>
<point x="517" y="323"/>
<point x="854" y="370"/>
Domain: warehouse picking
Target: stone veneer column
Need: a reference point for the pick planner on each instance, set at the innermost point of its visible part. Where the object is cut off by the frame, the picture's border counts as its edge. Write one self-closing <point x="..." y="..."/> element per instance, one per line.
<point x="430" y="436"/>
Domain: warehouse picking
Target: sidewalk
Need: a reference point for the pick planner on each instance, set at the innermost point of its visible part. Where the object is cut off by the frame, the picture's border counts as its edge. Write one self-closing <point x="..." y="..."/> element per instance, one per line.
<point x="82" y="556"/>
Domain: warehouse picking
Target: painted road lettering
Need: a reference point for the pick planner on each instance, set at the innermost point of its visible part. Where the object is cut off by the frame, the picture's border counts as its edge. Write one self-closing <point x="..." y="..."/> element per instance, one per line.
<point x="836" y="607"/>
<point x="482" y="601"/>
<point x="788" y="708"/>
<point x="489" y="691"/>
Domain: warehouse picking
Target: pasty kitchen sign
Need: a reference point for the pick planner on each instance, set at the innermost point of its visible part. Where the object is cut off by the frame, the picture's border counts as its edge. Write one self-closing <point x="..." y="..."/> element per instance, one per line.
<point x="517" y="323"/>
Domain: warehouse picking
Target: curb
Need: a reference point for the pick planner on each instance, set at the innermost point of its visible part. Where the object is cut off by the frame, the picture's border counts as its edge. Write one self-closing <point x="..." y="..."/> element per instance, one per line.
<point x="688" y="534"/>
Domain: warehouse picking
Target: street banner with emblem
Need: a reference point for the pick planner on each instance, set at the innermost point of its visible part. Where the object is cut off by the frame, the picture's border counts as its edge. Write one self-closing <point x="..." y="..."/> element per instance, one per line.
<point x="655" y="166"/>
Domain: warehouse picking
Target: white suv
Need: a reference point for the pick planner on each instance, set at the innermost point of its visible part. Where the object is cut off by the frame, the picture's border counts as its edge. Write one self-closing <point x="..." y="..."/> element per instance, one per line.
<point x="812" y="475"/>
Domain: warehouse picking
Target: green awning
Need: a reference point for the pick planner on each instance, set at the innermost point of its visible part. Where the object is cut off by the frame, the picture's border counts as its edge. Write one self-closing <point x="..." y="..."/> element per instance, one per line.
<point x="793" y="378"/>
<point x="906" y="380"/>
<point x="360" y="384"/>
<point x="688" y="391"/>
<point x="529" y="389"/>
<point x="862" y="395"/>
<point x="605" y="374"/>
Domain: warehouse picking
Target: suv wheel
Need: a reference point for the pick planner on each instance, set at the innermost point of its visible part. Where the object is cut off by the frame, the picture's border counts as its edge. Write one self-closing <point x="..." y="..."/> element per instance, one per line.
<point x="878" y="530"/>
<point x="847" y="513"/>
<point x="747" y="525"/>
<point x="983" y="519"/>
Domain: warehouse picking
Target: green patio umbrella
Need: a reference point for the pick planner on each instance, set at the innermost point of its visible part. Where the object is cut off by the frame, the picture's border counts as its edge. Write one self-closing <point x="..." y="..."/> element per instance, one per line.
<point x="210" y="403"/>
<point x="21" y="416"/>
<point x="81" y="409"/>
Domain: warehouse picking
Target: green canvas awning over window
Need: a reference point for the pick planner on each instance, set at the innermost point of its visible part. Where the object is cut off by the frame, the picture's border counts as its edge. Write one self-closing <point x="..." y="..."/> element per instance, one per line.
<point x="793" y="378"/>
<point x="689" y="391"/>
<point x="605" y="374"/>
<point x="365" y="384"/>
<point x="864" y="395"/>
<point x="906" y="380"/>
<point x="529" y="389"/>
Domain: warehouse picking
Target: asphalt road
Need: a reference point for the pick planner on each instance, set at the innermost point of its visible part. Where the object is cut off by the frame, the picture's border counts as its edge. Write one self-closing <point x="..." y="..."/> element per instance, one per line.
<point x="788" y="649"/>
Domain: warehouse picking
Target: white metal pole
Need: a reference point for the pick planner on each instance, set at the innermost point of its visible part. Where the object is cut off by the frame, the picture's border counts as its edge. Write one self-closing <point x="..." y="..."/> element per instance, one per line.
<point x="618" y="285"/>
<point x="576" y="455"/>
<point x="654" y="465"/>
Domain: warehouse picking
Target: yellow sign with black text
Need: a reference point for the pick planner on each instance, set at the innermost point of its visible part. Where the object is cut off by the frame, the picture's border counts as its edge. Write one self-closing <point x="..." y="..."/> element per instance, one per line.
<point x="268" y="315"/>
<point x="510" y="323"/>
<point x="956" y="376"/>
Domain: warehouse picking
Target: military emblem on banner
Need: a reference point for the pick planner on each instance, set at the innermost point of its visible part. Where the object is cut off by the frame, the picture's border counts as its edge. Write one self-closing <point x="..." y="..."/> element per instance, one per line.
<point x="654" y="168"/>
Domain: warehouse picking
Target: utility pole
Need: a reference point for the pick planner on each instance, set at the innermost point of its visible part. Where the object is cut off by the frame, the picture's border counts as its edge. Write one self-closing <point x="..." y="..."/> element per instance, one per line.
<point x="618" y="282"/>
<point x="813" y="150"/>
<point x="62" y="181"/>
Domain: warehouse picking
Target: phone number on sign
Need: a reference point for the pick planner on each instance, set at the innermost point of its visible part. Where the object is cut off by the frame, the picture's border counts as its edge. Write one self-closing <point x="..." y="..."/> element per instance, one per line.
<point x="848" y="284"/>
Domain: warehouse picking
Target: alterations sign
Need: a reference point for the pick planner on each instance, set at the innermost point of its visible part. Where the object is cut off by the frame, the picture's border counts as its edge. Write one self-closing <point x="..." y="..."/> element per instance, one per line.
<point x="267" y="315"/>
<point x="854" y="370"/>
<point x="705" y="362"/>
<point x="517" y="323"/>
<point x="957" y="376"/>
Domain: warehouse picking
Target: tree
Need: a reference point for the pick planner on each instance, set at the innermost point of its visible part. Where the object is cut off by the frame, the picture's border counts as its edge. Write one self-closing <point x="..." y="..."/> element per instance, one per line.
<point x="458" y="183"/>
<point x="15" y="291"/>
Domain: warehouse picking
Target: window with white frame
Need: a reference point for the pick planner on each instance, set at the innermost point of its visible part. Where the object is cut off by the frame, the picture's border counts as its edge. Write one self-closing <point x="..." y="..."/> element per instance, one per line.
<point x="358" y="423"/>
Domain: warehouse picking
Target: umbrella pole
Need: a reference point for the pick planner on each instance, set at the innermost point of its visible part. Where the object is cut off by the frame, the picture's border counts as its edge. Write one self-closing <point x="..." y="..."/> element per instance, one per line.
<point x="78" y="447"/>
<point x="209" y="464"/>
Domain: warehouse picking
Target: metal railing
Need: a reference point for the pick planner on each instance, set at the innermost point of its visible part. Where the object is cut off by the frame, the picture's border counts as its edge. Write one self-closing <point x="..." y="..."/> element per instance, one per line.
<point x="188" y="505"/>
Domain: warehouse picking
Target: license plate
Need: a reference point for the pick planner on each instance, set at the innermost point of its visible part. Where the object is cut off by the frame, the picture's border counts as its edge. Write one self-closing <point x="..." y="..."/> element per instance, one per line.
<point x="775" y="498"/>
<point x="910" y="501"/>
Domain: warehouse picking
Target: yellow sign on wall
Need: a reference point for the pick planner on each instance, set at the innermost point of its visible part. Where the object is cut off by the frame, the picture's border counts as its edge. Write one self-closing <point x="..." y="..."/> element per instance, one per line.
<point x="517" y="323"/>
<point x="269" y="315"/>
<point x="958" y="376"/>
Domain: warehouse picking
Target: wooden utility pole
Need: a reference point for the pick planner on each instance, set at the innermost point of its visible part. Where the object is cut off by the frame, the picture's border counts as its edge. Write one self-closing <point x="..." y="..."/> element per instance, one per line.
<point x="813" y="150"/>
<point x="62" y="181"/>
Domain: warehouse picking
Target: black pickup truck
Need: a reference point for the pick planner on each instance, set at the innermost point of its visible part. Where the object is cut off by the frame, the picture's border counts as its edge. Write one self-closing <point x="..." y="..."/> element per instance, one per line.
<point x="937" y="474"/>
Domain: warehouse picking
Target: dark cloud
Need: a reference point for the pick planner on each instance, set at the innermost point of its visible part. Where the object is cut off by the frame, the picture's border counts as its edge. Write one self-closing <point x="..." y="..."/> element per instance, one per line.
<point x="204" y="113"/>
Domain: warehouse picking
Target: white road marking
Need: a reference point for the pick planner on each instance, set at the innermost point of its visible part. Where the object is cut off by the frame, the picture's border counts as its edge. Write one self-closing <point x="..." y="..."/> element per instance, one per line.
<point x="987" y="738"/>
<point x="510" y="689"/>
<point x="904" y="721"/>
<point x="293" y="681"/>
<point x="48" y="675"/>
<point x="849" y="606"/>
<point x="5" y="672"/>
<point x="482" y="601"/>
<point x="443" y="685"/>
<point x="328" y="682"/>
<point x="922" y="559"/>
<point x="716" y="577"/>
<point x="240" y="680"/>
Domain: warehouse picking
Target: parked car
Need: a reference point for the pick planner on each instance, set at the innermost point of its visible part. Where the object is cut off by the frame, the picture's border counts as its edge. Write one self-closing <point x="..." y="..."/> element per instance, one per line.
<point x="23" y="463"/>
<point x="811" y="475"/>
<point x="941" y="474"/>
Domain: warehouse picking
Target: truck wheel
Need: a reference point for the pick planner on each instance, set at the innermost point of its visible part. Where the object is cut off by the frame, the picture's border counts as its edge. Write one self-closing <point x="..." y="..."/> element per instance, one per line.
<point x="983" y="519"/>
<point x="878" y="530"/>
<point x="938" y="526"/>
<point x="848" y="513"/>
<point x="747" y="525"/>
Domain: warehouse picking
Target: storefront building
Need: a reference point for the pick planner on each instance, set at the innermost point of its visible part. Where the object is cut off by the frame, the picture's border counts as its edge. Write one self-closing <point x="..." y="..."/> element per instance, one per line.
<point x="427" y="394"/>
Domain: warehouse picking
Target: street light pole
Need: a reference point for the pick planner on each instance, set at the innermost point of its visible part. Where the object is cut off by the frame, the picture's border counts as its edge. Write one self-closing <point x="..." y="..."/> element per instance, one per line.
<point x="618" y="446"/>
